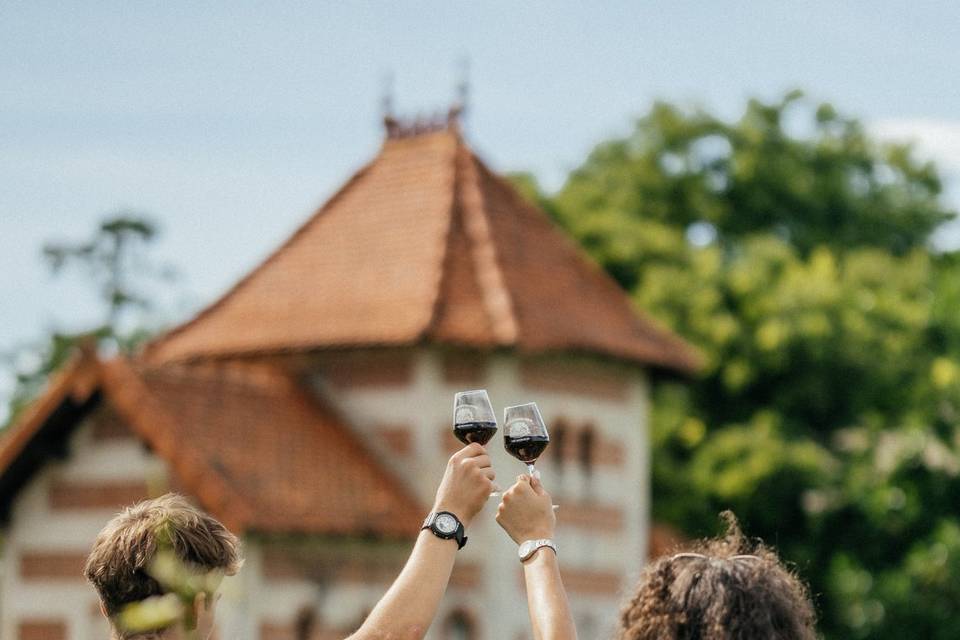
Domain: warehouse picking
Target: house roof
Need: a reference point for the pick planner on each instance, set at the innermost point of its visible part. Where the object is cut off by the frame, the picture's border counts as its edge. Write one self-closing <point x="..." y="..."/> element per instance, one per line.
<point x="426" y="244"/>
<point x="246" y="441"/>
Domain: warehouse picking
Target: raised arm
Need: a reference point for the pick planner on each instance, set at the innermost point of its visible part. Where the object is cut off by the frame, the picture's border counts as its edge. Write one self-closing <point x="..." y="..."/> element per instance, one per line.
<point x="407" y="609"/>
<point x="526" y="513"/>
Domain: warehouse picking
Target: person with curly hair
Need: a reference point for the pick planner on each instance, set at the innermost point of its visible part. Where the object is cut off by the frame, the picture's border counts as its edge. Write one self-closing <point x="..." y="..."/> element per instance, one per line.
<point x="727" y="588"/>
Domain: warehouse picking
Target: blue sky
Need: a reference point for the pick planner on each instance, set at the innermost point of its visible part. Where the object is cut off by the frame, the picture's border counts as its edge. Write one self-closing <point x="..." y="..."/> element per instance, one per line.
<point x="230" y="122"/>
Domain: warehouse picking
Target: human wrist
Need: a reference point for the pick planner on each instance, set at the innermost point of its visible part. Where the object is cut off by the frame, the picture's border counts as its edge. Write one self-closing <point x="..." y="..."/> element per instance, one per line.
<point x="535" y="534"/>
<point x="456" y="510"/>
<point x="541" y="555"/>
<point x="529" y="549"/>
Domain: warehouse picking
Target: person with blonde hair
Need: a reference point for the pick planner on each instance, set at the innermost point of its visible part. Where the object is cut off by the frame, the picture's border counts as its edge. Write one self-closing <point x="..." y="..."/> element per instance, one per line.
<point x="728" y="588"/>
<point x="168" y="553"/>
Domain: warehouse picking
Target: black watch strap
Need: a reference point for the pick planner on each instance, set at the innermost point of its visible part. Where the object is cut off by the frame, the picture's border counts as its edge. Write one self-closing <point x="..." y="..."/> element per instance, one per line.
<point x="456" y="534"/>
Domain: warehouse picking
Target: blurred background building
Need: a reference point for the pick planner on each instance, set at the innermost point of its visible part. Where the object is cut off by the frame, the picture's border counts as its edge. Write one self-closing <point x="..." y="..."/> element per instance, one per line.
<point x="309" y="409"/>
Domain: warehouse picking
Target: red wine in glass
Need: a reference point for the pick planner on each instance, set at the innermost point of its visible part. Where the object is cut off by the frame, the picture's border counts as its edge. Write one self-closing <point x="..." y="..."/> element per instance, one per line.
<point x="525" y="435"/>
<point x="475" y="431"/>
<point x="526" y="449"/>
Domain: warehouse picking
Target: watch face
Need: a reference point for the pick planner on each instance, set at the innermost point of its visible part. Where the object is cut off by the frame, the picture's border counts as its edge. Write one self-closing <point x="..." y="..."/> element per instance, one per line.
<point x="526" y="548"/>
<point x="446" y="523"/>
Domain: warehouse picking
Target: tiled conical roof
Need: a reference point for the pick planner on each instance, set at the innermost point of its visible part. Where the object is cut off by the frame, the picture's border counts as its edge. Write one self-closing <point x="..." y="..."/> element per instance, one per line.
<point x="426" y="244"/>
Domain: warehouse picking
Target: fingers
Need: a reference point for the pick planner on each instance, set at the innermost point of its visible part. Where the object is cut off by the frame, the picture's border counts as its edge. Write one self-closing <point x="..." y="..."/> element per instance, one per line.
<point x="537" y="486"/>
<point x="480" y="467"/>
<point x="481" y="462"/>
<point x="523" y="484"/>
<point x="472" y="450"/>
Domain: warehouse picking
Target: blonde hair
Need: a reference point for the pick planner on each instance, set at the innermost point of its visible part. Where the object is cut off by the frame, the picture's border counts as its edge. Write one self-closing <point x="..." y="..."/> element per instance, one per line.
<point x="118" y="566"/>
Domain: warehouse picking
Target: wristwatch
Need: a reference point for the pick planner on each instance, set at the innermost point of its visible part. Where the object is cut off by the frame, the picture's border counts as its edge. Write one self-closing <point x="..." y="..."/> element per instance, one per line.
<point x="444" y="524"/>
<point x="529" y="547"/>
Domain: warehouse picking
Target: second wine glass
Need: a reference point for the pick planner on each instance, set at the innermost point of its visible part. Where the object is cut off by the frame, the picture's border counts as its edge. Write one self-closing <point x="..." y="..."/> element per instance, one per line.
<point x="525" y="435"/>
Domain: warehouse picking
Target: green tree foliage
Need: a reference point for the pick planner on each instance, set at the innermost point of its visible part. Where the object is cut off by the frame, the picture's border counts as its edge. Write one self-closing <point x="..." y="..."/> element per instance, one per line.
<point x="114" y="261"/>
<point x="792" y="249"/>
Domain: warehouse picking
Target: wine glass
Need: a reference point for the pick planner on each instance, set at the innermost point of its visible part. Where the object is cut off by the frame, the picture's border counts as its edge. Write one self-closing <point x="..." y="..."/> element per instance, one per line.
<point x="474" y="420"/>
<point x="473" y="417"/>
<point x="525" y="435"/>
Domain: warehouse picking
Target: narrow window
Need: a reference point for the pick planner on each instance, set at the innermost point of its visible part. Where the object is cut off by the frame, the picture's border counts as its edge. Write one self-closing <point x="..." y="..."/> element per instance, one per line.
<point x="587" y="443"/>
<point x="558" y="438"/>
<point x="459" y="626"/>
<point x="305" y="623"/>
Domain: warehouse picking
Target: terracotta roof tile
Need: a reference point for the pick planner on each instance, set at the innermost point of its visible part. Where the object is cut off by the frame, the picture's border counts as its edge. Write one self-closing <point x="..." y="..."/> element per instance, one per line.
<point x="257" y="450"/>
<point x="70" y="382"/>
<point x="426" y="243"/>
<point x="461" y="315"/>
<point x="264" y="442"/>
<point x="560" y="298"/>
<point x="364" y="269"/>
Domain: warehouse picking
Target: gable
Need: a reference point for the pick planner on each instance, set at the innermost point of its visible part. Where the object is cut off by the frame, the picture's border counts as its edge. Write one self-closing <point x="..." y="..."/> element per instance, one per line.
<point x="247" y="443"/>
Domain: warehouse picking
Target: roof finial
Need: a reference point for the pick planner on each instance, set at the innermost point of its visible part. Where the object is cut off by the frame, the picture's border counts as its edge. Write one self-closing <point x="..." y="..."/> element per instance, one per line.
<point x="386" y="105"/>
<point x="459" y="108"/>
<point x="406" y="127"/>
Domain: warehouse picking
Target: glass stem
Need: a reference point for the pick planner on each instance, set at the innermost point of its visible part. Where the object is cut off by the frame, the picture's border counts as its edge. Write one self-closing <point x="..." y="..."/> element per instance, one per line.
<point x="532" y="470"/>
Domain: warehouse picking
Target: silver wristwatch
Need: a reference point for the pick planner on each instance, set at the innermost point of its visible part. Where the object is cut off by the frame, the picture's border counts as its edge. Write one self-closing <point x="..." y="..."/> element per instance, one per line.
<point x="529" y="547"/>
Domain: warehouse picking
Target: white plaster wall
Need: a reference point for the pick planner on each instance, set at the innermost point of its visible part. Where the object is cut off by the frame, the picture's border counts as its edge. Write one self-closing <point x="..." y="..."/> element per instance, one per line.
<point x="427" y="405"/>
<point x="36" y="528"/>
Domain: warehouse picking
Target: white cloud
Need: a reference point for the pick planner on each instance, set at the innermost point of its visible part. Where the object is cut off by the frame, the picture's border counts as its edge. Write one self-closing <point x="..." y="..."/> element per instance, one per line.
<point x="938" y="140"/>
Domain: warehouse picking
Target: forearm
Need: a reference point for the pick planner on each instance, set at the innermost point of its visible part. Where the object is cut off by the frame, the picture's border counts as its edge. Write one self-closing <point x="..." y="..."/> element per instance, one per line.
<point x="407" y="609"/>
<point x="546" y="599"/>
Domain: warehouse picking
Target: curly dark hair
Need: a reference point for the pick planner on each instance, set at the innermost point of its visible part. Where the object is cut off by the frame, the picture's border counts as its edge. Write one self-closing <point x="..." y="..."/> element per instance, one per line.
<point x="728" y="588"/>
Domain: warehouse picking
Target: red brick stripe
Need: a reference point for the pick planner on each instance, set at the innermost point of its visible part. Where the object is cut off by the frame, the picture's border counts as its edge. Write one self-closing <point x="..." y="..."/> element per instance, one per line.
<point x="464" y="368"/>
<point x="288" y="631"/>
<point x="590" y="582"/>
<point x="592" y="516"/>
<point x="368" y="369"/>
<point x="399" y="439"/>
<point x="41" y="630"/>
<point x="609" y="452"/>
<point x="573" y="378"/>
<point x="466" y="575"/>
<point x="43" y="565"/>
<point x="294" y="565"/>
<point x="67" y="494"/>
<point x="277" y="631"/>
<point x="586" y="581"/>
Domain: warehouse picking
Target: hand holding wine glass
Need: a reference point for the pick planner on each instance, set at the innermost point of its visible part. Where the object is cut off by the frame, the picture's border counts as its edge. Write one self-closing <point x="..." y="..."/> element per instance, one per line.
<point x="474" y="421"/>
<point x="466" y="483"/>
<point x="526" y="435"/>
<point x="526" y="511"/>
